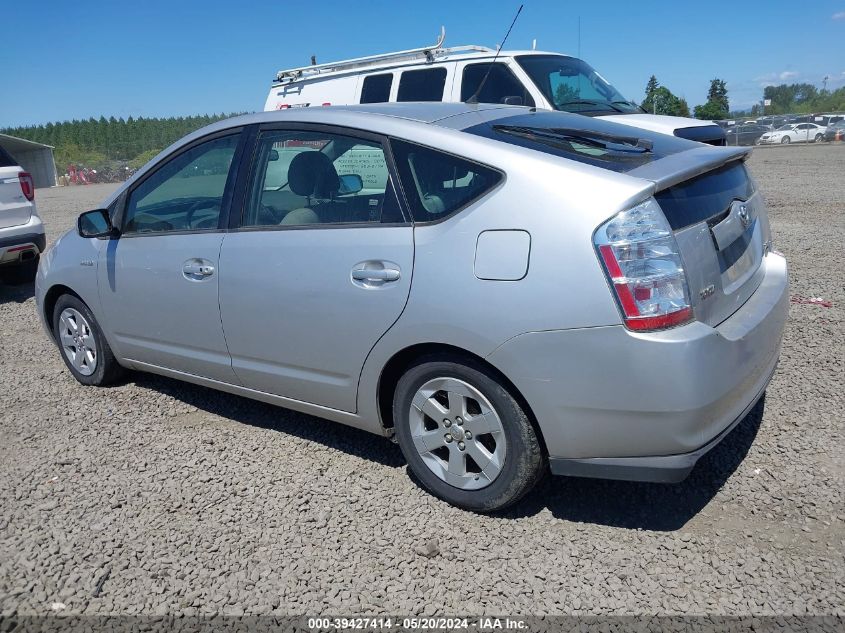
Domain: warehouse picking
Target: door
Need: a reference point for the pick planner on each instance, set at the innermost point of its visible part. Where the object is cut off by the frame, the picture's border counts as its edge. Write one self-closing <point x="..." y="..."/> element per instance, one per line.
<point x="320" y="267"/>
<point x="802" y="132"/>
<point x="159" y="281"/>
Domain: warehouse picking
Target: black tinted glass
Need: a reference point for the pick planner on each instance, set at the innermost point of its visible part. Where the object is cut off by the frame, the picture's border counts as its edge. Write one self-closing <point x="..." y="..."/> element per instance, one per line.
<point x="376" y="89"/>
<point x="437" y="184"/>
<point x="500" y="86"/>
<point x="6" y="159"/>
<point x="706" y="196"/>
<point x="585" y="140"/>
<point x="422" y="85"/>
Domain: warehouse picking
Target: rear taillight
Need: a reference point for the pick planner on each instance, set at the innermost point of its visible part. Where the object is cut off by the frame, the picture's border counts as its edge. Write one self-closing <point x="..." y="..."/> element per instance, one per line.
<point x="642" y="262"/>
<point x="27" y="186"/>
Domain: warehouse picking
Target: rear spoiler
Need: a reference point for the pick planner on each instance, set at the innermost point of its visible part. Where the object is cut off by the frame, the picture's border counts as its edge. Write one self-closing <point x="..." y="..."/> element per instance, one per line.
<point x="679" y="167"/>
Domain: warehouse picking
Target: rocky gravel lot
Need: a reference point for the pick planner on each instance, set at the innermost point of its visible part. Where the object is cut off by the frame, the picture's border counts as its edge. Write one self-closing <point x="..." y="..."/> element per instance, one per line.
<point x="157" y="497"/>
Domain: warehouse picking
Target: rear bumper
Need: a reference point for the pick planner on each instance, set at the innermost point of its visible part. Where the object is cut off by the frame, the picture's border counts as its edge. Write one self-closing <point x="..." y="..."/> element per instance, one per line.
<point x="617" y="404"/>
<point x="12" y="239"/>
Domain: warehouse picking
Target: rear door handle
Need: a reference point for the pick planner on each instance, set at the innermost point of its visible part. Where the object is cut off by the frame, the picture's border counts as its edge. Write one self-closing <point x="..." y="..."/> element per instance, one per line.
<point x="375" y="274"/>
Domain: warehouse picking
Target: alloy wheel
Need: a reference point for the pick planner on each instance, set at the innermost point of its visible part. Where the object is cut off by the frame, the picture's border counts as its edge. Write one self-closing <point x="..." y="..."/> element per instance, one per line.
<point x="457" y="433"/>
<point x="78" y="342"/>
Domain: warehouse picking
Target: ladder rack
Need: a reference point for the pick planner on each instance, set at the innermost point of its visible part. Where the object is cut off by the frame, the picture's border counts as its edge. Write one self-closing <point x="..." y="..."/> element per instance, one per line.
<point x="424" y="52"/>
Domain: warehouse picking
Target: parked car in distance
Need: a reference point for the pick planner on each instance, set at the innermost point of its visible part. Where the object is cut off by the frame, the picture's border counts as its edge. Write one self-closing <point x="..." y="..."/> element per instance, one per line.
<point x="479" y="74"/>
<point x="745" y="134"/>
<point x="618" y="324"/>
<point x="832" y="131"/>
<point x="22" y="237"/>
<point x="794" y="133"/>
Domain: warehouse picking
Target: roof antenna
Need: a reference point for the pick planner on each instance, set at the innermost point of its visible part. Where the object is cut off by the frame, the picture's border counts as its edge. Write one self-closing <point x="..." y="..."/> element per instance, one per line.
<point x="474" y="97"/>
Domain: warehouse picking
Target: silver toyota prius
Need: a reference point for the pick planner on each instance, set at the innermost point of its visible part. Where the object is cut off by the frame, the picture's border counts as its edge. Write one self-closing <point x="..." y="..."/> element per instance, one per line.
<point x="503" y="291"/>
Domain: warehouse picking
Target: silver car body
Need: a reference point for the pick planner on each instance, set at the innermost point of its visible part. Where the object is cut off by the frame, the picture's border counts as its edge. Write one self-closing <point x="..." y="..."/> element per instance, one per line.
<point x="513" y="279"/>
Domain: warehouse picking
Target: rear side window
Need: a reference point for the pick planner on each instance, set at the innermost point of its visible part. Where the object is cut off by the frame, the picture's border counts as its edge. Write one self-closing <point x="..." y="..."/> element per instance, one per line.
<point x="437" y="184"/>
<point x="6" y="159"/>
<point x="376" y="88"/>
<point x="501" y="86"/>
<point x="422" y="85"/>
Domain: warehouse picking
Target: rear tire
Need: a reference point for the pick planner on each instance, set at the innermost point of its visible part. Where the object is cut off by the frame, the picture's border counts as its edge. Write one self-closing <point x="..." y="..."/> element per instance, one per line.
<point x="465" y="437"/>
<point x="819" y="138"/>
<point x="82" y="345"/>
<point x="20" y="273"/>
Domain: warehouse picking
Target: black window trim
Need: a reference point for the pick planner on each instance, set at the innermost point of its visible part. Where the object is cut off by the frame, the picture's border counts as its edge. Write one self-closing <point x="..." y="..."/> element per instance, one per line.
<point x="119" y="206"/>
<point x="498" y="185"/>
<point x="248" y="165"/>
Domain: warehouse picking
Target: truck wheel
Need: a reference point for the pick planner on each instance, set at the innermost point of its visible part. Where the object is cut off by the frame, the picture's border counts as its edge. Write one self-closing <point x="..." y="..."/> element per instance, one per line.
<point x="466" y="438"/>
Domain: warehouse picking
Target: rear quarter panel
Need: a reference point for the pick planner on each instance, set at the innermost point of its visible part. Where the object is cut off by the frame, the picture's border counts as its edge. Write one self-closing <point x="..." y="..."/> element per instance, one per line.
<point x="559" y="203"/>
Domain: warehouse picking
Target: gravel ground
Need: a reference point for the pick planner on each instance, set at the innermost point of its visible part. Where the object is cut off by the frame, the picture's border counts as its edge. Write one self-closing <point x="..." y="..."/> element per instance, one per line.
<point x="158" y="497"/>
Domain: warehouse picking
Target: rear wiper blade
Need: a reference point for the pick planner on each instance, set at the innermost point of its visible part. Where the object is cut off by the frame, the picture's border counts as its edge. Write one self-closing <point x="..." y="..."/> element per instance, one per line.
<point x="601" y="140"/>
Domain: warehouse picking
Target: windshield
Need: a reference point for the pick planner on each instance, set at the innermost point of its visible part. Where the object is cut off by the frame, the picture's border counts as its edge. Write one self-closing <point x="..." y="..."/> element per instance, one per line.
<point x="785" y="127"/>
<point x="572" y="85"/>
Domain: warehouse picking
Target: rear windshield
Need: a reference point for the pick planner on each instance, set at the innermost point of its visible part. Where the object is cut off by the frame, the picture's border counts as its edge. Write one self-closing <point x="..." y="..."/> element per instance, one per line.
<point x="6" y="159"/>
<point x="707" y="196"/>
<point x="595" y="142"/>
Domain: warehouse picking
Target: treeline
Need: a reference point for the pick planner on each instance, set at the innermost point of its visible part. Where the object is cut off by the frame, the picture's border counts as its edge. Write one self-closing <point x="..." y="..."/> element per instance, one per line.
<point x="785" y="99"/>
<point x="802" y="99"/>
<point x="97" y="143"/>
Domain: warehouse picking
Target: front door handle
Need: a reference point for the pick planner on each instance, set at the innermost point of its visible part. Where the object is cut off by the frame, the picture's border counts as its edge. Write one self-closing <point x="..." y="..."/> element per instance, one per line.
<point x="196" y="269"/>
<point x="375" y="274"/>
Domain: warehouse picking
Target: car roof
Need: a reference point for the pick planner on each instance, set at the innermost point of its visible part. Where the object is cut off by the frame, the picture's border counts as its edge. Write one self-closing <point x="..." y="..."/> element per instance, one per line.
<point x="354" y="115"/>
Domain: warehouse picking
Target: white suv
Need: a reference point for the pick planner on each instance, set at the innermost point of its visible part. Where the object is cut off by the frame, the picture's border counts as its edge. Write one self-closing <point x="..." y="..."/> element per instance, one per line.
<point x="22" y="238"/>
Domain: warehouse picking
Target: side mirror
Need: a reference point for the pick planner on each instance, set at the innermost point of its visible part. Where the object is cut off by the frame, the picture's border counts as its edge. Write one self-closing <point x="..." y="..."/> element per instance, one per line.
<point x="514" y="101"/>
<point x="350" y="183"/>
<point x="96" y="223"/>
<point x="274" y="155"/>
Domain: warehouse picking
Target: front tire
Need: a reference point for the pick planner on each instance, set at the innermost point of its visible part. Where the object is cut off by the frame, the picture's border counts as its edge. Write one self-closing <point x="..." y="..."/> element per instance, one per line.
<point x="82" y="345"/>
<point x="465" y="437"/>
<point x="785" y="140"/>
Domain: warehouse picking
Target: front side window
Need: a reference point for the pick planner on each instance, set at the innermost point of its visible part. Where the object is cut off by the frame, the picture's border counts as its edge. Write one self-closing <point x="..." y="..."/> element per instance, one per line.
<point x="500" y="86"/>
<point x="376" y="88"/>
<point x="422" y="85"/>
<point x="572" y="85"/>
<point x="437" y="184"/>
<point x="311" y="178"/>
<point x="186" y="194"/>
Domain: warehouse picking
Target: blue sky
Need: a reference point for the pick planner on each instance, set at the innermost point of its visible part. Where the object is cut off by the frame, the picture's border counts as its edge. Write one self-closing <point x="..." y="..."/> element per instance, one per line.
<point x="158" y="58"/>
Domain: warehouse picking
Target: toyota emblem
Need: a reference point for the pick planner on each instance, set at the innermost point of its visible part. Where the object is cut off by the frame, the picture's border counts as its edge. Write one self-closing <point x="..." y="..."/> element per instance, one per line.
<point x="743" y="216"/>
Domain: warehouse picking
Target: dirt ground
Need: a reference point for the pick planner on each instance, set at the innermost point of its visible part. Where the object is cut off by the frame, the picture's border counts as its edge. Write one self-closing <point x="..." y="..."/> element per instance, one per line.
<point x="160" y="497"/>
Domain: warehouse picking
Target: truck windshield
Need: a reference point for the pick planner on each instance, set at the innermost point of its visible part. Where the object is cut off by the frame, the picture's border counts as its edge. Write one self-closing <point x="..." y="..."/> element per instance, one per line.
<point x="572" y="85"/>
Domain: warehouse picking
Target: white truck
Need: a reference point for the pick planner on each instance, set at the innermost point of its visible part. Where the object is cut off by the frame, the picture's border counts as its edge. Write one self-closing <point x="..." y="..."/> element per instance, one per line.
<point x="475" y="74"/>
